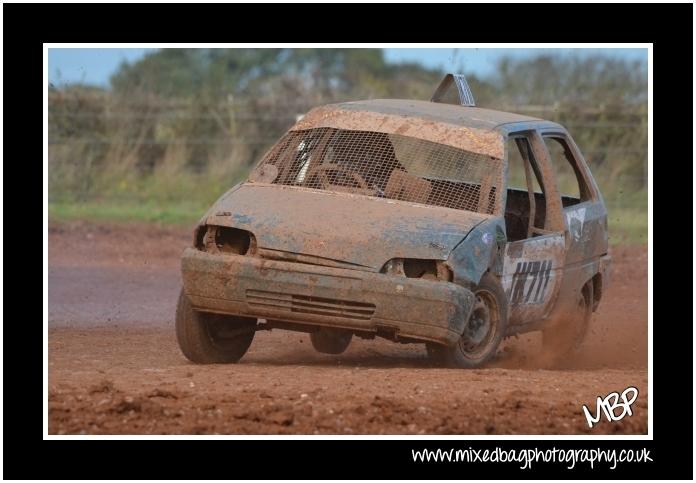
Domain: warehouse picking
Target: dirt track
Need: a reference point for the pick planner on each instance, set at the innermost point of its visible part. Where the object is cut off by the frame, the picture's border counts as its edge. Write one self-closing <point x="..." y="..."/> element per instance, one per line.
<point x="115" y="368"/>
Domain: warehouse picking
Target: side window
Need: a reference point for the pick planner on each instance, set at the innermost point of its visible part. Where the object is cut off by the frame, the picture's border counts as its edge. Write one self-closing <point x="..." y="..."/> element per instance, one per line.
<point x="518" y="151"/>
<point x="570" y="181"/>
<point x="523" y="177"/>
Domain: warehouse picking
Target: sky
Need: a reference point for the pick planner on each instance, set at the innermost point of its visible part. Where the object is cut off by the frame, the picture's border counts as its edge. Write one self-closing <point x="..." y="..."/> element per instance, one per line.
<point x="95" y="65"/>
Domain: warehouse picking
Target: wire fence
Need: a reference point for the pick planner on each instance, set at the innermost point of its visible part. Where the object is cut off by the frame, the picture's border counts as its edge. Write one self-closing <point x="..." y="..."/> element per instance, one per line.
<point x="89" y="134"/>
<point x="638" y="129"/>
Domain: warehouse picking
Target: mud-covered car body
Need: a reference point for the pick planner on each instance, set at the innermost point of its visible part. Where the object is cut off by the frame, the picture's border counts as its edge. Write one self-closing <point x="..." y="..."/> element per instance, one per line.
<point x="381" y="217"/>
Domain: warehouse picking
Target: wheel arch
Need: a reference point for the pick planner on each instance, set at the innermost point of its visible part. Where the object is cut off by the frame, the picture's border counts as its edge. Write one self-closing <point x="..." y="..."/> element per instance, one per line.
<point x="597" y="290"/>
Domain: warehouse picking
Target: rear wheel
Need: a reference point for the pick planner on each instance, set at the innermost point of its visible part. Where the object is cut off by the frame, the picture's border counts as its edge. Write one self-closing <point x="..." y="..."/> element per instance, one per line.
<point x="207" y="338"/>
<point x="484" y="331"/>
<point x="331" y="341"/>
<point x="565" y="339"/>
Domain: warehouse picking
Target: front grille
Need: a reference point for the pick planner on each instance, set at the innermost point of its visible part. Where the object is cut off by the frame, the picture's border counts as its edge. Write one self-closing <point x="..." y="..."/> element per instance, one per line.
<point x="309" y="305"/>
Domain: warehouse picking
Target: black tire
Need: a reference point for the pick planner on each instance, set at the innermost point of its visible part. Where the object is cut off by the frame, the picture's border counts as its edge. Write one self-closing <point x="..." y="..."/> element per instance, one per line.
<point x="484" y="331"/>
<point x="565" y="339"/>
<point x="207" y="338"/>
<point x="331" y="341"/>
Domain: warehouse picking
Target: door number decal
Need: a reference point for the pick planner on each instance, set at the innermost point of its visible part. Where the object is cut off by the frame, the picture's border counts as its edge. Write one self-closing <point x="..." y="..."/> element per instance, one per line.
<point x="529" y="282"/>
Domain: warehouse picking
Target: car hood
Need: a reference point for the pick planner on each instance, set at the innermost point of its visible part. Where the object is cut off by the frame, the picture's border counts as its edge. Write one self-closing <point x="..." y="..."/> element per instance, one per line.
<point x="349" y="228"/>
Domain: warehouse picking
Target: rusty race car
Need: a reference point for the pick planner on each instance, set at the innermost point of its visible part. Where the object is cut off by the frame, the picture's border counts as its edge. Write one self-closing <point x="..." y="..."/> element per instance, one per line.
<point x="429" y="222"/>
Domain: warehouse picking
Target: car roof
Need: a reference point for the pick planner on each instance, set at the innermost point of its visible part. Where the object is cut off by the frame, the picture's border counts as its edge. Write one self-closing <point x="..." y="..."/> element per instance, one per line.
<point x="472" y="117"/>
<point x="473" y="129"/>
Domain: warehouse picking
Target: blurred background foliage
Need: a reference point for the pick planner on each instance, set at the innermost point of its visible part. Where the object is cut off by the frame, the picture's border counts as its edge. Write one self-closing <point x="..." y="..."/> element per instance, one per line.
<point x="177" y="128"/>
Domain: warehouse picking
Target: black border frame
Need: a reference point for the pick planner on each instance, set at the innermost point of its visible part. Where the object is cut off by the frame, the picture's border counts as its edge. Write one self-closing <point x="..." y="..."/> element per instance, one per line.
<point x="26" y="27"/>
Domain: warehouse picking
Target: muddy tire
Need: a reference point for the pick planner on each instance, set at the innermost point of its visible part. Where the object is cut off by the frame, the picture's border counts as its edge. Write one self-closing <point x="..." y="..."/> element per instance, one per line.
<point x="565" y="339"/>
<point x="482" y="334"/>
<point x="331" y="341"/>
<point x="206" y="338"/>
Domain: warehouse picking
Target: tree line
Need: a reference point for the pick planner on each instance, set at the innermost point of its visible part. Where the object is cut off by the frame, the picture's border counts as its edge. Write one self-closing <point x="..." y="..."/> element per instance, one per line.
<point x="193" y="111"/>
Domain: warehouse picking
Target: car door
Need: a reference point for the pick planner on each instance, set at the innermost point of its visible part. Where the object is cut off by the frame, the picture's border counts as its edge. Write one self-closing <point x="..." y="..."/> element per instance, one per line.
<point x="584" y="214"/>
<point x="536" y="243"/>
<point x="583" y="209"/>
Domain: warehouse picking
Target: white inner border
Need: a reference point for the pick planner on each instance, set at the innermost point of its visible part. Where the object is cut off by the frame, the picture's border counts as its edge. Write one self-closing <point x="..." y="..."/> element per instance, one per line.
<point x="649" y="436"/>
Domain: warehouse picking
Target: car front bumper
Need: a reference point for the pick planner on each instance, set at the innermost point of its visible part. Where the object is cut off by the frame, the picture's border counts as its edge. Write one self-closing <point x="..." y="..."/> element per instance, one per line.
<point x="326" y="296"/>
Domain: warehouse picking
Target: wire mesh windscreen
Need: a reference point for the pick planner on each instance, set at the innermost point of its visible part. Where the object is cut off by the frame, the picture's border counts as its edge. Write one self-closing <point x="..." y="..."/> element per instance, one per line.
<point x="387" y="166"/>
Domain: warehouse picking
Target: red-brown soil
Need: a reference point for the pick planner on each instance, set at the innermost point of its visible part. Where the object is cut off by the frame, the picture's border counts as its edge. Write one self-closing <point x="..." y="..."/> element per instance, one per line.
<point x="115" y="368"/>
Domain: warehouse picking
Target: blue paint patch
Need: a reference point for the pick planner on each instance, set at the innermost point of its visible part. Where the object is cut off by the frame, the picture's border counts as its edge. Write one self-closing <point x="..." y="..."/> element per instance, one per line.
<point x="471" y="258"/>
<point x="242" y="219"/>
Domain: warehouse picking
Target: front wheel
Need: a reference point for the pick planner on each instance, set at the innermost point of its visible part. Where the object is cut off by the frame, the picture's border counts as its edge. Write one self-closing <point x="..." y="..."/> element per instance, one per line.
<point x="484" y="331"/>
<point x="207" y="338"/>
<point x="331" y="341"/>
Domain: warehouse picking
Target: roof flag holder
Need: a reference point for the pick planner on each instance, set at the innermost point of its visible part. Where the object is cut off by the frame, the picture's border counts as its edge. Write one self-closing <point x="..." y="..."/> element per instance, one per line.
<point x="446" y="94"/>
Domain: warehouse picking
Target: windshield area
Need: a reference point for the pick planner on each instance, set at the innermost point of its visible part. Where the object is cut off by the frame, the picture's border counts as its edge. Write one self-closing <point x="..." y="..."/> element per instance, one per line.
<point x="386" y="166"/>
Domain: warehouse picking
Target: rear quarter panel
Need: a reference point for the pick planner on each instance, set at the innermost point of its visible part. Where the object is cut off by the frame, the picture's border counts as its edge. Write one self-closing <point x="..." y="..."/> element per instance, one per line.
<point x="586" y="241"/>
